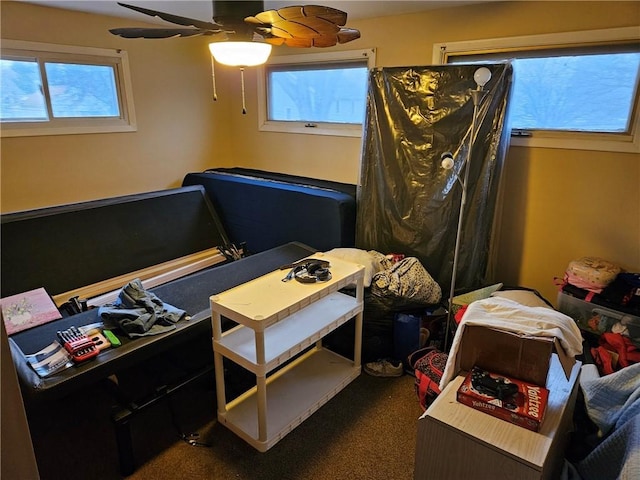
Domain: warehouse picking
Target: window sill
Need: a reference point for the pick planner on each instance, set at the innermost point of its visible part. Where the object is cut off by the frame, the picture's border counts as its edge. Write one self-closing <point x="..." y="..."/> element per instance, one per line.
<point x="626" y="144"/>
<point x="333" y="129"/>
<point x="11" y="131"/>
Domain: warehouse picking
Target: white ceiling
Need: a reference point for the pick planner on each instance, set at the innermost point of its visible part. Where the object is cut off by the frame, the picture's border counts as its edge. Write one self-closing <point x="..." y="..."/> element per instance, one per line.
<point x="202" y="10"/>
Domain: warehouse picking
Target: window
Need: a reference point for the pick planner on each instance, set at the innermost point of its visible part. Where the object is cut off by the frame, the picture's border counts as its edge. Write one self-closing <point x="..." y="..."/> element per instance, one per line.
<point x="577" y="90"/>
<point x="322" y="93"/>
<point x="55" y="89"/>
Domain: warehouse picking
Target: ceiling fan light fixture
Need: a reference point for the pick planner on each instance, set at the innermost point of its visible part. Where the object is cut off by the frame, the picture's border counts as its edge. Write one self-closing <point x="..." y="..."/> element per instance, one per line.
<point x="240" y="54"/>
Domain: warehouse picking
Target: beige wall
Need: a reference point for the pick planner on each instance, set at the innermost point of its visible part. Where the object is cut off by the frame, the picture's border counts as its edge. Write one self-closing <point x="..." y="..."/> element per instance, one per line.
<point x="559" y="204"/>
<point x="177" y="131"/>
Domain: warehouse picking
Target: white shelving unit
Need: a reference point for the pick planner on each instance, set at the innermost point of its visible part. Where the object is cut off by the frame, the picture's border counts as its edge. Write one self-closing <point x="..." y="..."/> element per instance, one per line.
<point x="284" y="322"/>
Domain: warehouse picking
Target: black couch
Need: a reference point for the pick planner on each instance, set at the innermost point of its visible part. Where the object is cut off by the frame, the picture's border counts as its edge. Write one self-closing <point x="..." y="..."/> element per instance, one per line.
<point x="63" y="248"/>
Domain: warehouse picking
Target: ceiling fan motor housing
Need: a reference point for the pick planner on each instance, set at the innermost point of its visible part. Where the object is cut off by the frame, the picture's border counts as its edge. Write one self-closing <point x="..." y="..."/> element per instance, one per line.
<point x="234" y="10"/>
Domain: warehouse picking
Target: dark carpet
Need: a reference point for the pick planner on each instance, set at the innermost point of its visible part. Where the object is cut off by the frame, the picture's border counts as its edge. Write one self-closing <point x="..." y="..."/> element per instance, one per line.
<point x="367" y="431"/>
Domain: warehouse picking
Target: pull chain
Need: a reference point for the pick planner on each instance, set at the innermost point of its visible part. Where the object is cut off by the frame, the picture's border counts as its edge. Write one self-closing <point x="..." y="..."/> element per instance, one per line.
<point x="244" y="105"/>
<point x="213" y="80"/>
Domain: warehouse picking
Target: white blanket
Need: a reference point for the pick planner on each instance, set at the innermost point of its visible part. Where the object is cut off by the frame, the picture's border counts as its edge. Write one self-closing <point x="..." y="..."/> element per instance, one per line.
<point x="508" y="315"/>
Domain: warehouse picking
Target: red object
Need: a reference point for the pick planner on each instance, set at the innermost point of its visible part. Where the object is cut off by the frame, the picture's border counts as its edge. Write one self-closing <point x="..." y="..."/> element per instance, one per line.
<point x="614" y="352"/>
<point x="525" y="407"/>
<point x="428" y="365"/>
<point x="395" y="257"/>
<point x="81" y="348"/>
<point x="460" y="313"/>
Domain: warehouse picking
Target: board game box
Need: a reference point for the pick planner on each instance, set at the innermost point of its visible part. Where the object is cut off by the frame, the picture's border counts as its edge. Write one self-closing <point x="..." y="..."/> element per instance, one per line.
<point x="510" y="399"/>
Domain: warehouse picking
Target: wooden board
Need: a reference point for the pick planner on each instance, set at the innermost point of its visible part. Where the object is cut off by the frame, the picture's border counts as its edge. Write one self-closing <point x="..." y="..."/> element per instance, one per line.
<point x="106" y="291"/>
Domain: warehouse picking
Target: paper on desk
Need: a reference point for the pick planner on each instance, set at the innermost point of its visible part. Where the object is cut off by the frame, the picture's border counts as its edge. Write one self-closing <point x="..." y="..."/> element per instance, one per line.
<point x="50" y="359"/>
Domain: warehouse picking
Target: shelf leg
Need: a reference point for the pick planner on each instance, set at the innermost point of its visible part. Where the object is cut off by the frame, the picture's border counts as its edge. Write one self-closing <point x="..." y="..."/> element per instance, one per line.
<point x="220" y="389"/>
<point x="261" y="387"/>
<point x="216" y="324"/>
<point x="261" y="382"/>
<point x="260" y="352"/>
<point x="357" y="348"/>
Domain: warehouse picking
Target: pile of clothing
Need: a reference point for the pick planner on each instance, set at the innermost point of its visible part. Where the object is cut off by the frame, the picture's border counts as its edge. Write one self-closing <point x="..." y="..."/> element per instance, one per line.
<point x="394" y="284"/>
<point x="604" y="283"/>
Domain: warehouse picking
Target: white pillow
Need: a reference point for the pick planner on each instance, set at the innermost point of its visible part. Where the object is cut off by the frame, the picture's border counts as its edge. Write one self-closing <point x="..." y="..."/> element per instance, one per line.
<point x="523" y="297"/>
<point x="361" y="257"/>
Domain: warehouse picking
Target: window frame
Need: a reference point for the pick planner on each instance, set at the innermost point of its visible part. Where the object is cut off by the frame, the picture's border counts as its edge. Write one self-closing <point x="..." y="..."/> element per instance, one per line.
<point x="46" y="52"/>
<point x="318" y="128"/>
<point x="611" y="142"/>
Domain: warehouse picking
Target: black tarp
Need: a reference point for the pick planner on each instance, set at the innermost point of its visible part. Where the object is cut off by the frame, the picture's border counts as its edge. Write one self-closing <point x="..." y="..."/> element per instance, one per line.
<point x="407" y="203"/>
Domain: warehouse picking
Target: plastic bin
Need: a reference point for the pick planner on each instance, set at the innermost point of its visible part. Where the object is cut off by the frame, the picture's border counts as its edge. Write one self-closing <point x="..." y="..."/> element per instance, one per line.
<point x="596" y="319"/>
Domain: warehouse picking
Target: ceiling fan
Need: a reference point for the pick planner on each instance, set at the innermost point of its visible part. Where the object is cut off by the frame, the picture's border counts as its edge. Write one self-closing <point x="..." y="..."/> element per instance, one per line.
<point x="243" y="33"/>
<point x="241" y="21"/>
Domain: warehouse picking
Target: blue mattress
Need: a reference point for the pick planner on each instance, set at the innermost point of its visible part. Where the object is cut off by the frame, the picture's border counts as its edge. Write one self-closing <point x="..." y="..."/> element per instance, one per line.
<point x="267" y="212"/>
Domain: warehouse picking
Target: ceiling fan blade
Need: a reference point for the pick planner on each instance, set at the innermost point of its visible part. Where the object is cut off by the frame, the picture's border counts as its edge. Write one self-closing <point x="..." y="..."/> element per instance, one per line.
<point x="187" y="22"/>
<point x="320" y="42"/>
<point x="328" y="41"/>
<point x="274" y="40"/>
<point x="325" y="41"/>
<point x="304" y="26"/>
<point x="298" y="42"/>
<point x="312" y="28"/>
<point x="347" y="34"/>
<point x="300" y="13"/>
<point x="161" y="32"/>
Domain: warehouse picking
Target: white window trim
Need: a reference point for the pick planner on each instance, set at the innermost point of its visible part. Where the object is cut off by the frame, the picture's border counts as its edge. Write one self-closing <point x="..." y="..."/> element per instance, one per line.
<point x="572" y="141"/>
<point x="335" y="129"/>
<point x="127" y="121"/>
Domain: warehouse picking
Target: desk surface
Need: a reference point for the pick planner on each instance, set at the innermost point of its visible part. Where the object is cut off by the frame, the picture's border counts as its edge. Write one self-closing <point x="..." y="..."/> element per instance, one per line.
<point x="267" y="299"/>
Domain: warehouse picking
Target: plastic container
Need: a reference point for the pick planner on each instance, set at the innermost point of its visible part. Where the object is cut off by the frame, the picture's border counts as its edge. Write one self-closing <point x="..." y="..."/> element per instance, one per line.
<point x="597" y="319"/>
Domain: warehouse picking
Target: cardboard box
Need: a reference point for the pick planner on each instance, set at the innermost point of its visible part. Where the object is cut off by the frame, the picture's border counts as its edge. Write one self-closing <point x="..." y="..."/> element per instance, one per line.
<point x="510" y="399"/>
<point x="510" y="354"/>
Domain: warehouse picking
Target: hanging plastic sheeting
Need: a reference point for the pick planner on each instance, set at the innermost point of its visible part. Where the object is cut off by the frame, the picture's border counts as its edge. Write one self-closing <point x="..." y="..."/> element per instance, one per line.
<point x="408" y="203"/>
